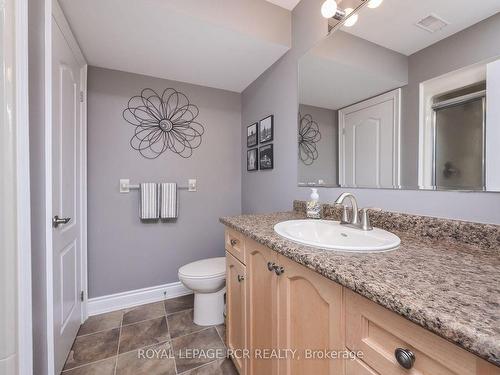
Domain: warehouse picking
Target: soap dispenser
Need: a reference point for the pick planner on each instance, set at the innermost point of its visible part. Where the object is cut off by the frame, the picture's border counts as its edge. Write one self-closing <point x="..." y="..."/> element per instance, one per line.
<point x="313" y="206"/>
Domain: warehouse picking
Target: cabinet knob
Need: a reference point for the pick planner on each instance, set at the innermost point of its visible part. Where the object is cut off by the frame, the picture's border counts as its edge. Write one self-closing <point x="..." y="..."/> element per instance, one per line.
<point x="270" y="266"/>
<point x="241" y="278"/>
<point x="279" y="270"/>
<point x="233" y="242"/>
<point x="405" y="358"/>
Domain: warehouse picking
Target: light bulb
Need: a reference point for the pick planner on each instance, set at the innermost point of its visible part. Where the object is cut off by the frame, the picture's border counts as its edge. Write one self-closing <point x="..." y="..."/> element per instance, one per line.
<point x="351" y="20"/>
<point x="374" y="3"/>
<point x="329" y="8"/>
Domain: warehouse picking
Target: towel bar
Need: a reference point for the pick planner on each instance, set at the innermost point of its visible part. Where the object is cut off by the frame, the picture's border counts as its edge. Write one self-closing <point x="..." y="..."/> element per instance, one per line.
<point x="126" y="186"/>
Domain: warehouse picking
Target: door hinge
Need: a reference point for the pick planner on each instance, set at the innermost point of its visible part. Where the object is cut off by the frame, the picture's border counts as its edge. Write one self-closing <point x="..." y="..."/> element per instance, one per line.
<point x="81" y="96"/>
<point x="82" y="296"/>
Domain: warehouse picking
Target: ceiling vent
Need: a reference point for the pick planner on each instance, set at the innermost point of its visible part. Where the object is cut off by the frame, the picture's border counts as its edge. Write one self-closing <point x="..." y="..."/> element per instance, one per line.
<point x="432" y="23"/>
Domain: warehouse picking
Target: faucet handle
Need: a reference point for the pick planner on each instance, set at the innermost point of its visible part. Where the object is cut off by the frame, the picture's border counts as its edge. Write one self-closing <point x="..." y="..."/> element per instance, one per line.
<point x="365" y="218"/>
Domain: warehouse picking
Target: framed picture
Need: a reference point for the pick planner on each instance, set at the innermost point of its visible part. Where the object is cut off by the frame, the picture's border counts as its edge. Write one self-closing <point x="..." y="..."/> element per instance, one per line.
<point x="252" y="135"/>
<point x="266" y="157"/>
<point x="266" y="129"/>
<point x="252" y="160"/>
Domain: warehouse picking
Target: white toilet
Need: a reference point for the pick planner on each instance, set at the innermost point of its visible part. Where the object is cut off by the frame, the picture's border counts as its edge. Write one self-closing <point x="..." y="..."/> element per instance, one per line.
<point x="207" y="279"/>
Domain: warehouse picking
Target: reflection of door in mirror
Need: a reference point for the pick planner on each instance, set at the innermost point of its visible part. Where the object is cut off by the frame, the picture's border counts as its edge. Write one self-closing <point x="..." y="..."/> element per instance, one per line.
<point x="369" y="142"/>
<point x="459" y="141"/>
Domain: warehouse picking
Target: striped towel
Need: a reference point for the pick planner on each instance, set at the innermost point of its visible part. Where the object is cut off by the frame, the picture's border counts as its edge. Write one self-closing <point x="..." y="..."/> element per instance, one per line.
<point x="168" y="208"/>
<point x="149" y="208"/>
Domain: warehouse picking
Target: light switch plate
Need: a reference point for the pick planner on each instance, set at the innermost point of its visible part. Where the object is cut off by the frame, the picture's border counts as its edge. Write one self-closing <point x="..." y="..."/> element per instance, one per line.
<point x="192" y="184"/>
<point x="124" y="185"/>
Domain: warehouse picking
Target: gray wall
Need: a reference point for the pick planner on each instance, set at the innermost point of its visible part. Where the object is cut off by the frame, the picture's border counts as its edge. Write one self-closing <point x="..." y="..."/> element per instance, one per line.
<point x="275" y="91"/>
<point x="37" y="180"/>
<point x="325" y="166"/>
<point x="472" y="45"/>
<point x="123" y="253"/>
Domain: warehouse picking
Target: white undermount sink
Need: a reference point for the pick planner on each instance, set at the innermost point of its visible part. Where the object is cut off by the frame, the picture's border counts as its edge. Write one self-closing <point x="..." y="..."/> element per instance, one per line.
<point x="327" y="234"/>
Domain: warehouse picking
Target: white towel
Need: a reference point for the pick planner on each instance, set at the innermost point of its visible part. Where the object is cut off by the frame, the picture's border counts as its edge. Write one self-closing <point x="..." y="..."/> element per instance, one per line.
<point x="168" y="193"/>
<point x="149" y="201"/>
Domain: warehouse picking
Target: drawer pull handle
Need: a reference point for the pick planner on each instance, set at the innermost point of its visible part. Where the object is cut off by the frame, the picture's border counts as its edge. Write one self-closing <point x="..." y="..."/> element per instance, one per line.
<point x="233" y="242"/>
<point x="241" y="278"/>
<point x="270" y="266"/>
<point x="279" y="270"/>
<point x="405" y="358"/>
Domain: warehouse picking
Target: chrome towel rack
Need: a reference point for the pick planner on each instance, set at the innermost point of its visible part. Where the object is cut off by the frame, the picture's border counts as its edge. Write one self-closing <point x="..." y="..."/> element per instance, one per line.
<point x="126" y="186"/>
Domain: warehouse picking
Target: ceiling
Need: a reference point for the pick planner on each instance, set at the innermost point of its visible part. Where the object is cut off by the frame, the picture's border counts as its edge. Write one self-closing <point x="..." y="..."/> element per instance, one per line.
<point x="392" y="25"/>
<point x="287" y="4"/>
<point x="222" y="44"/>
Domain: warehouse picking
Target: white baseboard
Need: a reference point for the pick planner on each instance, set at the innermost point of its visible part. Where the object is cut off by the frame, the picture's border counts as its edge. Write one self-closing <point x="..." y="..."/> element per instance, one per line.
<point x="118" y="301"/>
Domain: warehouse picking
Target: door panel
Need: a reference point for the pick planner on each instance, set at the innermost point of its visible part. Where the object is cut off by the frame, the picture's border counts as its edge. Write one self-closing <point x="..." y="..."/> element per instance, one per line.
<point x="310" y="318"/>
<point x="68" y="127"/>
<point x="69" y="283"/>
<point x="261" y="308"/>
<point x="236" y="314"/>
<point x="369" y="142"/>
<point x="66" y="195"/>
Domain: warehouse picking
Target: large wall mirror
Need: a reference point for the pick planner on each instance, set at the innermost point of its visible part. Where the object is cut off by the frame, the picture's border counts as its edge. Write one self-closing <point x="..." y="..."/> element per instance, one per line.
<point x="406" y="96"/>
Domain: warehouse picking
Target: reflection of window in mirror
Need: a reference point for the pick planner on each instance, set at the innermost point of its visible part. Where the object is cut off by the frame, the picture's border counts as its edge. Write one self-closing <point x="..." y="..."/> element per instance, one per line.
<point x="412" y="96"/>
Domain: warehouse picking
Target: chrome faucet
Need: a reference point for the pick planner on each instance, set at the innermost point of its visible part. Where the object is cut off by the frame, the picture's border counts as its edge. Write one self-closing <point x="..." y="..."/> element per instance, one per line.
<point x="354" y="221"/>
<point x="354" y="205"/>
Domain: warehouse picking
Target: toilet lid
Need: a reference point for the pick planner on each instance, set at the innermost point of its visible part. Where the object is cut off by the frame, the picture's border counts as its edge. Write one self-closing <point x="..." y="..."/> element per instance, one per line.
<point x="211" y="267"/>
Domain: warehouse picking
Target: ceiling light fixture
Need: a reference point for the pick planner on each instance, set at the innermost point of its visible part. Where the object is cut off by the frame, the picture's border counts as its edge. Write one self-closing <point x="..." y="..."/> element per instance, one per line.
<point x="374" y="3"/>
<point x="352" y="19"/>
<point x="329" y="8"/>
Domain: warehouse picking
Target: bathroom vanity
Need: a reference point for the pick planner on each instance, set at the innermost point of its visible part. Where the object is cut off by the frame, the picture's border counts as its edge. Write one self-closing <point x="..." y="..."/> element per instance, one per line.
<point x="429" y="307"/>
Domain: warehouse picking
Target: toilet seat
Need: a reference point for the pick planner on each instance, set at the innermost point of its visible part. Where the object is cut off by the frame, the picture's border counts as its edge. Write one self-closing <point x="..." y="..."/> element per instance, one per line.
<point x="204" y="269"/>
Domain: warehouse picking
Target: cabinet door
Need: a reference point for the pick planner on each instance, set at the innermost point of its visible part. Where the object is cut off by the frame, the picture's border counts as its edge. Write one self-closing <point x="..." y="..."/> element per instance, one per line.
<point x="310" y="318"/>
<point x="236" y="313"/>
<point x="261" y="308"/>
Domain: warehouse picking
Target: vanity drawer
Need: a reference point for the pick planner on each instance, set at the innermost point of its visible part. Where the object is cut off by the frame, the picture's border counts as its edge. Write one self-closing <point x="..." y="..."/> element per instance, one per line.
<point x="378" y="332"/>
<point x="235" y="244"/>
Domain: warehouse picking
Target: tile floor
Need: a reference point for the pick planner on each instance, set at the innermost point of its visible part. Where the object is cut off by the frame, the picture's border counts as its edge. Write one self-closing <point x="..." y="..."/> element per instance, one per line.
<point x="152" y="339"/>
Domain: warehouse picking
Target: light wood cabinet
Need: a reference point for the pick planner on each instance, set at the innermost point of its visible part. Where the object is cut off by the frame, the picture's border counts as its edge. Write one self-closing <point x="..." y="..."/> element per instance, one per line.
<point x="282" y="306"/>
<point x="236" y="311"/>
<point x="377" y="332"/>
<point x="262" y="314"/>
<point x="310" y="318"/>
<point x="235" y="244"/>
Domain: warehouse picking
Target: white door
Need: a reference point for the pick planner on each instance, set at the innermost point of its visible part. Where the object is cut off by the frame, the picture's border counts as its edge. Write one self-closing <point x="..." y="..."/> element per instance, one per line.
<point x="66" y="198"/>
<point x="369" y="142"/>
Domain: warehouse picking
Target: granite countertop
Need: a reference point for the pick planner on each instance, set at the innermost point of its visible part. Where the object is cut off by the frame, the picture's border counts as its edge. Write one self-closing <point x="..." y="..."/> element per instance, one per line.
<point x="447" y="286"/>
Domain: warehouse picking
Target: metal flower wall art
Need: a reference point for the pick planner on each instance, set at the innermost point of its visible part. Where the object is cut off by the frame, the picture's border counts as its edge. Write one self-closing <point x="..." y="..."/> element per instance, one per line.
<point x="309" y="136"/>
<point x="163" y="122"/>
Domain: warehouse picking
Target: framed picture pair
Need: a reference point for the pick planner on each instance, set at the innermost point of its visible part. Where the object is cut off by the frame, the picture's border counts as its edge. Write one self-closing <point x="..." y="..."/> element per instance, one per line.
<point x="260" y="132"/>
<point x="260" y="158"/>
